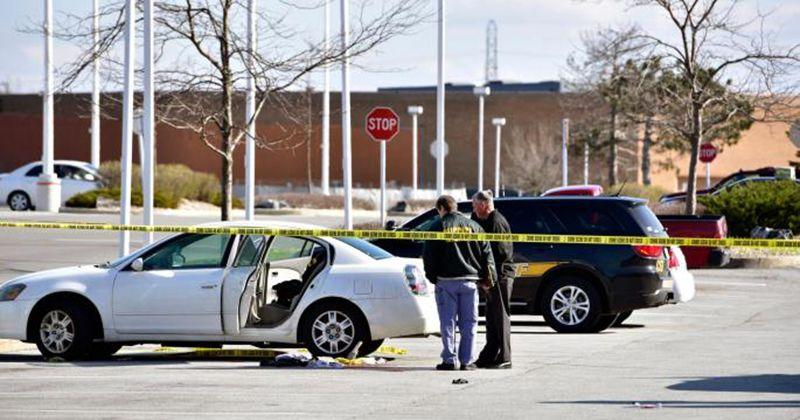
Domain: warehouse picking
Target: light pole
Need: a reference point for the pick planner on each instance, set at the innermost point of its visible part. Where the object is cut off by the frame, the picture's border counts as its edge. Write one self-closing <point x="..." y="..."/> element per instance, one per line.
<point x="326" y="107"/>
<point x="481" y="92"/>
<point x="440" y="103"/>
<point x="415" y="112"/>
<point x="127" y="126"/>
<point x="498" y="124"/>
<point x="48" y="188"/>
<point x="95" y="131"/>
<point x="347" y="162"/>
<point x="586" y="163"/>
<point x="148" y="122"/>
<point x="564" y="142"/>
<point x="250" y="118"/>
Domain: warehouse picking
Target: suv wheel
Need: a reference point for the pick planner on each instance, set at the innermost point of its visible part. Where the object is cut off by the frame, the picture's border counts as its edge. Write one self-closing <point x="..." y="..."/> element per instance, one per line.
<point x="572" y="305"/>
<point x="19" y="201"/>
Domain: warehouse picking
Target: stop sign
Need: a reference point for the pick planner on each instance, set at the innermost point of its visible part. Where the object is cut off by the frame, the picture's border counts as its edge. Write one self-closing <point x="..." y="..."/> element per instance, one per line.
<point x="707" y="152"/>
<point x="382" y="124"/>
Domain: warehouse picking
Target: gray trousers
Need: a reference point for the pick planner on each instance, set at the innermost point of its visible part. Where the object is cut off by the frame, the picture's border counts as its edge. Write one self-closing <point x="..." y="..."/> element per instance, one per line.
<point x="498" y="324"/>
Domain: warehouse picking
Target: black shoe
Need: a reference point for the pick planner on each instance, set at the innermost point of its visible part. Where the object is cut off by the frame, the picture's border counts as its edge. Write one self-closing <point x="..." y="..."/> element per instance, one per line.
<point x="503" y="365"/>
<point x="445" y="366"/>
<point x="482" y="364"/>
<point x="471" y="366"/>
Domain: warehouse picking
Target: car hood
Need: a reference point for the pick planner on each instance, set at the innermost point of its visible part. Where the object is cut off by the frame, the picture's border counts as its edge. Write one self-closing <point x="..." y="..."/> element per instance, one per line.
<point x="39" y="277"/>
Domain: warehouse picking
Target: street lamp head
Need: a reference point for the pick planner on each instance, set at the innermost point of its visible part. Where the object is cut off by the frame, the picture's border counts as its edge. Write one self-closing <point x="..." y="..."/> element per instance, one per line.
<point x="415" y="110"/>
<point x="482" y="90"/>
<point x="499" y="121"/>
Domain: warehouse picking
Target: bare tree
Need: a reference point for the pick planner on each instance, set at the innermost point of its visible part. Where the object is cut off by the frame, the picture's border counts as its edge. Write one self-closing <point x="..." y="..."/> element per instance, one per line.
<point x="204" y="61"/>
<point x="532" y="157"/>
<point x="601" y="70"/>
<point x="712" y="48"/>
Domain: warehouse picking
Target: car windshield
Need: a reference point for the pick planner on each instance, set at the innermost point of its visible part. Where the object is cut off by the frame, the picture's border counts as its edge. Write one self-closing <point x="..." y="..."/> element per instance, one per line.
<point x="367" y="248"/>
<point x="114" y="263"/>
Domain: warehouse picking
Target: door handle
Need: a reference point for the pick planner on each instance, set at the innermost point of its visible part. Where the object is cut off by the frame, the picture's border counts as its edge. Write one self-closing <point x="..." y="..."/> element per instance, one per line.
<point x="208" y="286"/>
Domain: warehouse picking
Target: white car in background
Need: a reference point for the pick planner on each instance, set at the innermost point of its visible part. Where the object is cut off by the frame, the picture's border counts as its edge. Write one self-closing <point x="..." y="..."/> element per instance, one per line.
<point x="18" y="188"/>
<point x="329" y="294"/>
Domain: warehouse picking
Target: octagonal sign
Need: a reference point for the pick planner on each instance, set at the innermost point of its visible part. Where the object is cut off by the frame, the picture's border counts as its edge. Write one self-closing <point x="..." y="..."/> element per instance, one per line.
<point x="382" y="124"/>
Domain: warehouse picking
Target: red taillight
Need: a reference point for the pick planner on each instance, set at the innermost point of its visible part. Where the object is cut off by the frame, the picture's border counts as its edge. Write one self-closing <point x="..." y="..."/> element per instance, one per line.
<point x="649" y="251"/>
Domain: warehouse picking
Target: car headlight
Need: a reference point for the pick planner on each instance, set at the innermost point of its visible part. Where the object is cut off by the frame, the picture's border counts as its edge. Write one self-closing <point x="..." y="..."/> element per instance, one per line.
<point x="11" y="292"/>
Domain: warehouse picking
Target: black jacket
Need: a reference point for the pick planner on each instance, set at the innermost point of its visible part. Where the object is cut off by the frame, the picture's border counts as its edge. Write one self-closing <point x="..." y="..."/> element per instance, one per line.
<point x="502" y="252"/>
<point x="472" y="259"/>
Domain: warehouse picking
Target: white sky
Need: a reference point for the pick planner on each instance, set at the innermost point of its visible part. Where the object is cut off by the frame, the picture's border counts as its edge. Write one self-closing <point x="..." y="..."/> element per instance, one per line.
<point x="535" y="37"/>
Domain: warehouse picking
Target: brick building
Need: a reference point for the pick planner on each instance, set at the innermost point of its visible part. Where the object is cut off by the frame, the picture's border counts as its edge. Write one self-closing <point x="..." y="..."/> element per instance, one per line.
<point x="532" y="110"/>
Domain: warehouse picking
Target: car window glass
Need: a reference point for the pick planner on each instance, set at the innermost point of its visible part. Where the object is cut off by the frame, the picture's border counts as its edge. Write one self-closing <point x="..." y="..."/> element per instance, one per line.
<point x="287" y="247"/>
<point x="524" y="219"/>
<point x="588" y="221"/>
<point x="366" y="247"/>
<point x="249" y="248"/>
<point x="35" y="171"/>
<point x="189" y="251"/>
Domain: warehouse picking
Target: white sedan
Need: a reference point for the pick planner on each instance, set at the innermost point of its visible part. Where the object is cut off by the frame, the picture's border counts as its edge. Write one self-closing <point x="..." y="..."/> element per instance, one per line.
<point x="18" y="188"/>
<point x="330" y="294"/>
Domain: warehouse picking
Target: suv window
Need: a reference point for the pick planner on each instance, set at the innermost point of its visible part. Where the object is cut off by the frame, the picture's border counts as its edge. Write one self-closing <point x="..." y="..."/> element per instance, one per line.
<point x="189" y="251"/>
<point x="588" y="221"/>
<point x="528" y="219"/>
<point x="35" y="171"/>
<point x="647" y="220"/>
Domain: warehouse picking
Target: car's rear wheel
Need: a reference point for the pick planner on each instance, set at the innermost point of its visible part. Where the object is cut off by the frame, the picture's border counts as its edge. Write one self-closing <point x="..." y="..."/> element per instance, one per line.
<point x="99" y="351"/>
<point x="19" y="201"/>
<point x="64" y="330"/>
<point x="623" y="316"/>
<point x="572" y="305"/>
<point x="334" y="329"/>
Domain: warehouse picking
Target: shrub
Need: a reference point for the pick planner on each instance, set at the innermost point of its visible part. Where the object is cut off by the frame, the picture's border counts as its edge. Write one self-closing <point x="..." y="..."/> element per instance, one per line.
<point x="317" y="201"/>
<point x="217" y="201"/>
<point x="172" y="183"/>
<point x="88" y="199"/>
<point x="649" y="192"/>
<point x="768" y="204"/>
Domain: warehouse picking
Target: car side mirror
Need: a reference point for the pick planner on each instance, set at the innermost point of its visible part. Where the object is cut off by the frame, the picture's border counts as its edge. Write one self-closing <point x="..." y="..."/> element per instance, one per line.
<point x="391" y="225"/>
<point x="137" y="265"/>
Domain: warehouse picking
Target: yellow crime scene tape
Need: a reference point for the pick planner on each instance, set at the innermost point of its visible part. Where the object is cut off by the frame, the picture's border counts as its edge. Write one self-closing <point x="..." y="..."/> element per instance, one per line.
<point x="786" y="244"/>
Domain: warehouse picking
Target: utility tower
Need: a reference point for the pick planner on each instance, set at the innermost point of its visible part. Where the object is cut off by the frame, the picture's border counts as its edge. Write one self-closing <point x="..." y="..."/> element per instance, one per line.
<point x="491" y="51"/>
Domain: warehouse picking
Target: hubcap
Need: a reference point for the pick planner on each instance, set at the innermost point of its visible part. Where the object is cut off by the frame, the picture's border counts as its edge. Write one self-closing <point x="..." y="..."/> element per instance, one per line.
<point x="57" y="331"/>
<point x="570" y="305"/>
<point x="332" y="331"/>
<point x="19" y="202"/>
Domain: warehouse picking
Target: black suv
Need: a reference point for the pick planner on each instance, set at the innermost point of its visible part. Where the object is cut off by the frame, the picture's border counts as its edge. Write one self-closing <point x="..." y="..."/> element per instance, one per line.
<point x="576" y="287"/>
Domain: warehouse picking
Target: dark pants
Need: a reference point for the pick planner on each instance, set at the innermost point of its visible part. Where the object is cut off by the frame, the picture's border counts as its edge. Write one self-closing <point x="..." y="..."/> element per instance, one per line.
<point x="498" y="324"/>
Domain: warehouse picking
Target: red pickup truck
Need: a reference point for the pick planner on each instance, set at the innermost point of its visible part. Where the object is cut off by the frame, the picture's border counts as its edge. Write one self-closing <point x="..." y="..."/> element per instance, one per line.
<point x="706" y="226"/>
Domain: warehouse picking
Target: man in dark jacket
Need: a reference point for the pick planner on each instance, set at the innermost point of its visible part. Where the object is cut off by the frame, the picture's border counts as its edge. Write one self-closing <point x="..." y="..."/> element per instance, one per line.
<point x="496" y="354"/>
<point x="456" y="268"/>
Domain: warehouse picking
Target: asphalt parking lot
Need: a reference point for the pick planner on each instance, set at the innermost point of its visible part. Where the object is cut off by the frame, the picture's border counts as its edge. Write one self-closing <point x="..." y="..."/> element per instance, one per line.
<point x="731" y="353"/>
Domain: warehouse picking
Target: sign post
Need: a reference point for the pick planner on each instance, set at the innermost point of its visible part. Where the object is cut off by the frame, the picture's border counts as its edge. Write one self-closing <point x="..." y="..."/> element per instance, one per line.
<point x="382" y="124"/>
<point x="707" y="155"/>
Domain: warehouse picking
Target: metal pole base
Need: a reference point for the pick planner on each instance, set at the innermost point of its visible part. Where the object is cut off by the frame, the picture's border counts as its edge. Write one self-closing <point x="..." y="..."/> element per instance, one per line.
<point x="48" y="193"/>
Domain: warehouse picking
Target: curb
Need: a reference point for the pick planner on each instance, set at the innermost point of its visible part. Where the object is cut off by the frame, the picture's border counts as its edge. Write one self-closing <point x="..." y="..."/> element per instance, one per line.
<point x="15" y="345"/>
<point x="766" y="262"/>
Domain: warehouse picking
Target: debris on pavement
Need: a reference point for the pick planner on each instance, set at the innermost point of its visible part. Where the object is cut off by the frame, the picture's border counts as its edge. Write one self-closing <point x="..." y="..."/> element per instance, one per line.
<point x="460" y="381"/>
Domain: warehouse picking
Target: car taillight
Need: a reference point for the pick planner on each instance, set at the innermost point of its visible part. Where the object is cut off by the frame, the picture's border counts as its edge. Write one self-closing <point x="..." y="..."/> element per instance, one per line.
<point x="416" y="281"/>
<point x="649" y="251"/>
<point x="673" y="259"/>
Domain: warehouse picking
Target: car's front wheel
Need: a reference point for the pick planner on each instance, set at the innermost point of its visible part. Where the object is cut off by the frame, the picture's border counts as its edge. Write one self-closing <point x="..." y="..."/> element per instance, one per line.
<point x="333" y="330"/>
<point x="64" y="330"/>
<point x="572" y="305"/>
<point x="19" y="201"/>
